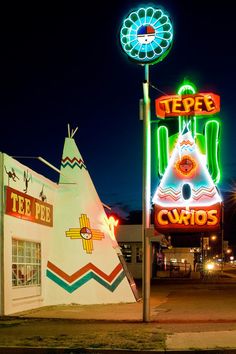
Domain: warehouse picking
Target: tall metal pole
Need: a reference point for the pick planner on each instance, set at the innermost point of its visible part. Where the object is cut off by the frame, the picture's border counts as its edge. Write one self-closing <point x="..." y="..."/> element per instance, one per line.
<point x="146" y="270"/>
<point x="222" y="237"/>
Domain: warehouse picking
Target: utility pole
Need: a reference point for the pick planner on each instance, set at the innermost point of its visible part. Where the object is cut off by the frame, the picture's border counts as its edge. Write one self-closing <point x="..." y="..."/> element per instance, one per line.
<point x="146" y="270"/>
<point x="222" y="237"/>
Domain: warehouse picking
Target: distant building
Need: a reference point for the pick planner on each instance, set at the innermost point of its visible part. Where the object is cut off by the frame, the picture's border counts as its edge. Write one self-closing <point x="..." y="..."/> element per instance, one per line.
<point x="163" y="255"/>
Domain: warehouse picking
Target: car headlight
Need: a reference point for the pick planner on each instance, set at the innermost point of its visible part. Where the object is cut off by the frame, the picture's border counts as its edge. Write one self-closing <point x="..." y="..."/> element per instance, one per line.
<point x="210" y="266"/>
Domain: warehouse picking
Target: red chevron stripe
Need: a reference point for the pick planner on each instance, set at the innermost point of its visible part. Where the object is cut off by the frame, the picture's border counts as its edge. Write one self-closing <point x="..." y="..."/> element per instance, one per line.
<point x="72" y="160"/>
<point x="83" y="270"/>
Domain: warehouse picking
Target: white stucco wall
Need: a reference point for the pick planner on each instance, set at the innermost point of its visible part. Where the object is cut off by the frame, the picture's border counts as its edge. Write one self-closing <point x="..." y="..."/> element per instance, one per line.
<point x="104" y="279"/>
<point x="16" y="299"/>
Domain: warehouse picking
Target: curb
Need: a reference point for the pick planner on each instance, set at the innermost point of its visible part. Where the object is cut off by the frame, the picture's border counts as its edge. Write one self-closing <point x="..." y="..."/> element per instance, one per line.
<point x="37" y="350"/>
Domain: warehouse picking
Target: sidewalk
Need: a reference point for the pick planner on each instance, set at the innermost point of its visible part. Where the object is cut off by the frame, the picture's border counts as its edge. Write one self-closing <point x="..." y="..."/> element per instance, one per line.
<point x="184" y="315"/>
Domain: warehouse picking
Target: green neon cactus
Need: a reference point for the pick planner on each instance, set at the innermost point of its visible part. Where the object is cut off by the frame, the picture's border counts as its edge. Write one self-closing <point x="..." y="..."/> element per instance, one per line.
<point x="163" y="151"/>
<point x="212" y="130"/>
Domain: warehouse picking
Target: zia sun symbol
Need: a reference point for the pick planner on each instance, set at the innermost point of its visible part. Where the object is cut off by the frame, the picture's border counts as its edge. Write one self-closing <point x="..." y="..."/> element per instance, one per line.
<point x="85" y="233"/>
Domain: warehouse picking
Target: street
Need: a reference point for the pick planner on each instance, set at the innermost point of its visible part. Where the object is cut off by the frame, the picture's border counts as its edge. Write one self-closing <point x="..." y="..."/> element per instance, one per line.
<point x="180" y="311"/>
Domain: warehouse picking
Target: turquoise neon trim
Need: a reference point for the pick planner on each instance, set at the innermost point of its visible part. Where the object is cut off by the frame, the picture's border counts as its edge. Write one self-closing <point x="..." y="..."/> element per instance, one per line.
<point x="71" y="288"/>
<point x="146" y="35"/>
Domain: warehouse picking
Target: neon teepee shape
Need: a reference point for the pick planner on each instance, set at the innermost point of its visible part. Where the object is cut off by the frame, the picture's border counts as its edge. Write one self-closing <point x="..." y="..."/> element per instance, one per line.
<point x="187" y="199"/>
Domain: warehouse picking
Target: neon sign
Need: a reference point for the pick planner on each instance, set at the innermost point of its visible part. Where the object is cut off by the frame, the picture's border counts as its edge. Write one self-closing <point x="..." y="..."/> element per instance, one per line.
<point x="197" y="104"/>
<point x="186" y="198"/>
<point x="112" y="223"/>
<point x="146" y="35"/>
<point x="188" y="219"/>
<point x="207" y="142"/>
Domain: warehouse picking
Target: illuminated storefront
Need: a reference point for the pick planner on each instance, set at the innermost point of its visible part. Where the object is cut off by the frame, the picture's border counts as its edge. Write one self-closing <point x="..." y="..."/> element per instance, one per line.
<point x="54" y="237"/>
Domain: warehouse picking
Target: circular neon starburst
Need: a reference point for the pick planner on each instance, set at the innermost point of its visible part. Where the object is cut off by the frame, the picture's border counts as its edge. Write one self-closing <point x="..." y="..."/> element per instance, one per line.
<point x="186" y="165"/>
<point x="146" y="35"/>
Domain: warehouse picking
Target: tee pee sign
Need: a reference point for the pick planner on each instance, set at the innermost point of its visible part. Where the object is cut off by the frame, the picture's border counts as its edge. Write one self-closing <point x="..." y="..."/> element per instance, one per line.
<point x="187" y="199"/>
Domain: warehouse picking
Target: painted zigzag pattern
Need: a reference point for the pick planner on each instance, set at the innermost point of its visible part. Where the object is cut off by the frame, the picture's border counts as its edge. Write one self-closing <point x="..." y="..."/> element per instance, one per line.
<point x="73" y="162"/>
<point x="70" y="283"/>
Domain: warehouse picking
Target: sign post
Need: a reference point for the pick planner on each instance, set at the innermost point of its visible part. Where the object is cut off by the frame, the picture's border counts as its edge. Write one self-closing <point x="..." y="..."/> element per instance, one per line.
<point x="146" y="37"/>
<point x="146" y="270"/>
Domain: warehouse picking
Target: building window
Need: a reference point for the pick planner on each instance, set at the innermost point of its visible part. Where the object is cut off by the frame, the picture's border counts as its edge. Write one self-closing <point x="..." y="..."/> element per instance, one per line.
<point x="26" y="263"/>
<point x="126" y="251"/>
<point x="139" y="253"/>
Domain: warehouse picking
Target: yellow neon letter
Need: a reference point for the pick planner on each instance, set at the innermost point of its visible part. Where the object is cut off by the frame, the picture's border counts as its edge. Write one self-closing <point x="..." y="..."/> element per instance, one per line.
<point x="198" y="103"/>
<point x="188" y="103"/>
<point x="212" y="218"/>
<point x="166" y="103"/>
<point x="201" y="217"/>
<point x="210" y="105"/>
<point x="192" y="217"/>
<point x="174" y="219"/>
<point x="184" y="217"/>
<point x="160" y="219"/>
<point x="176" y="105"/>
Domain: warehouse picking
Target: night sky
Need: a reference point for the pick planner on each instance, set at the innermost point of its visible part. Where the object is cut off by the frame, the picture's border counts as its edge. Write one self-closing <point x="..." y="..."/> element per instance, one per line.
<point x="63" y="64"/>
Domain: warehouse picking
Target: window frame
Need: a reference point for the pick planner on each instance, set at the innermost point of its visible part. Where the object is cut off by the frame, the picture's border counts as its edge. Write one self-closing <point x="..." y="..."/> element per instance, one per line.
<point x="26" y="263"/>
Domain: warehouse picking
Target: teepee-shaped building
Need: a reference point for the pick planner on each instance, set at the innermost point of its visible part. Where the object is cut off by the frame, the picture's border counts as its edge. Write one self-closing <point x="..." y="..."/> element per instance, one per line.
<point x="186" y="198"/>
<point x="84" y="265"/>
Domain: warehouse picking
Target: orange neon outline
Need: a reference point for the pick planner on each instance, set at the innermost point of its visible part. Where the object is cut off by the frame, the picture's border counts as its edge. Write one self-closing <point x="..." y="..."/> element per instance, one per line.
<point x="187" y="218"/>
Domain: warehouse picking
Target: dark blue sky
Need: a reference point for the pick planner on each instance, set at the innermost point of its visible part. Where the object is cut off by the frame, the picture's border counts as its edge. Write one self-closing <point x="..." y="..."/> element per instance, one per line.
<point x="63" y="64"/>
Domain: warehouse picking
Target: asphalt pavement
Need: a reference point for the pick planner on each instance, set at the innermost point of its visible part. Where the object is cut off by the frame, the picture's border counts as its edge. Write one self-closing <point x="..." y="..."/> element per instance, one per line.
<point x="193" y="315"/>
